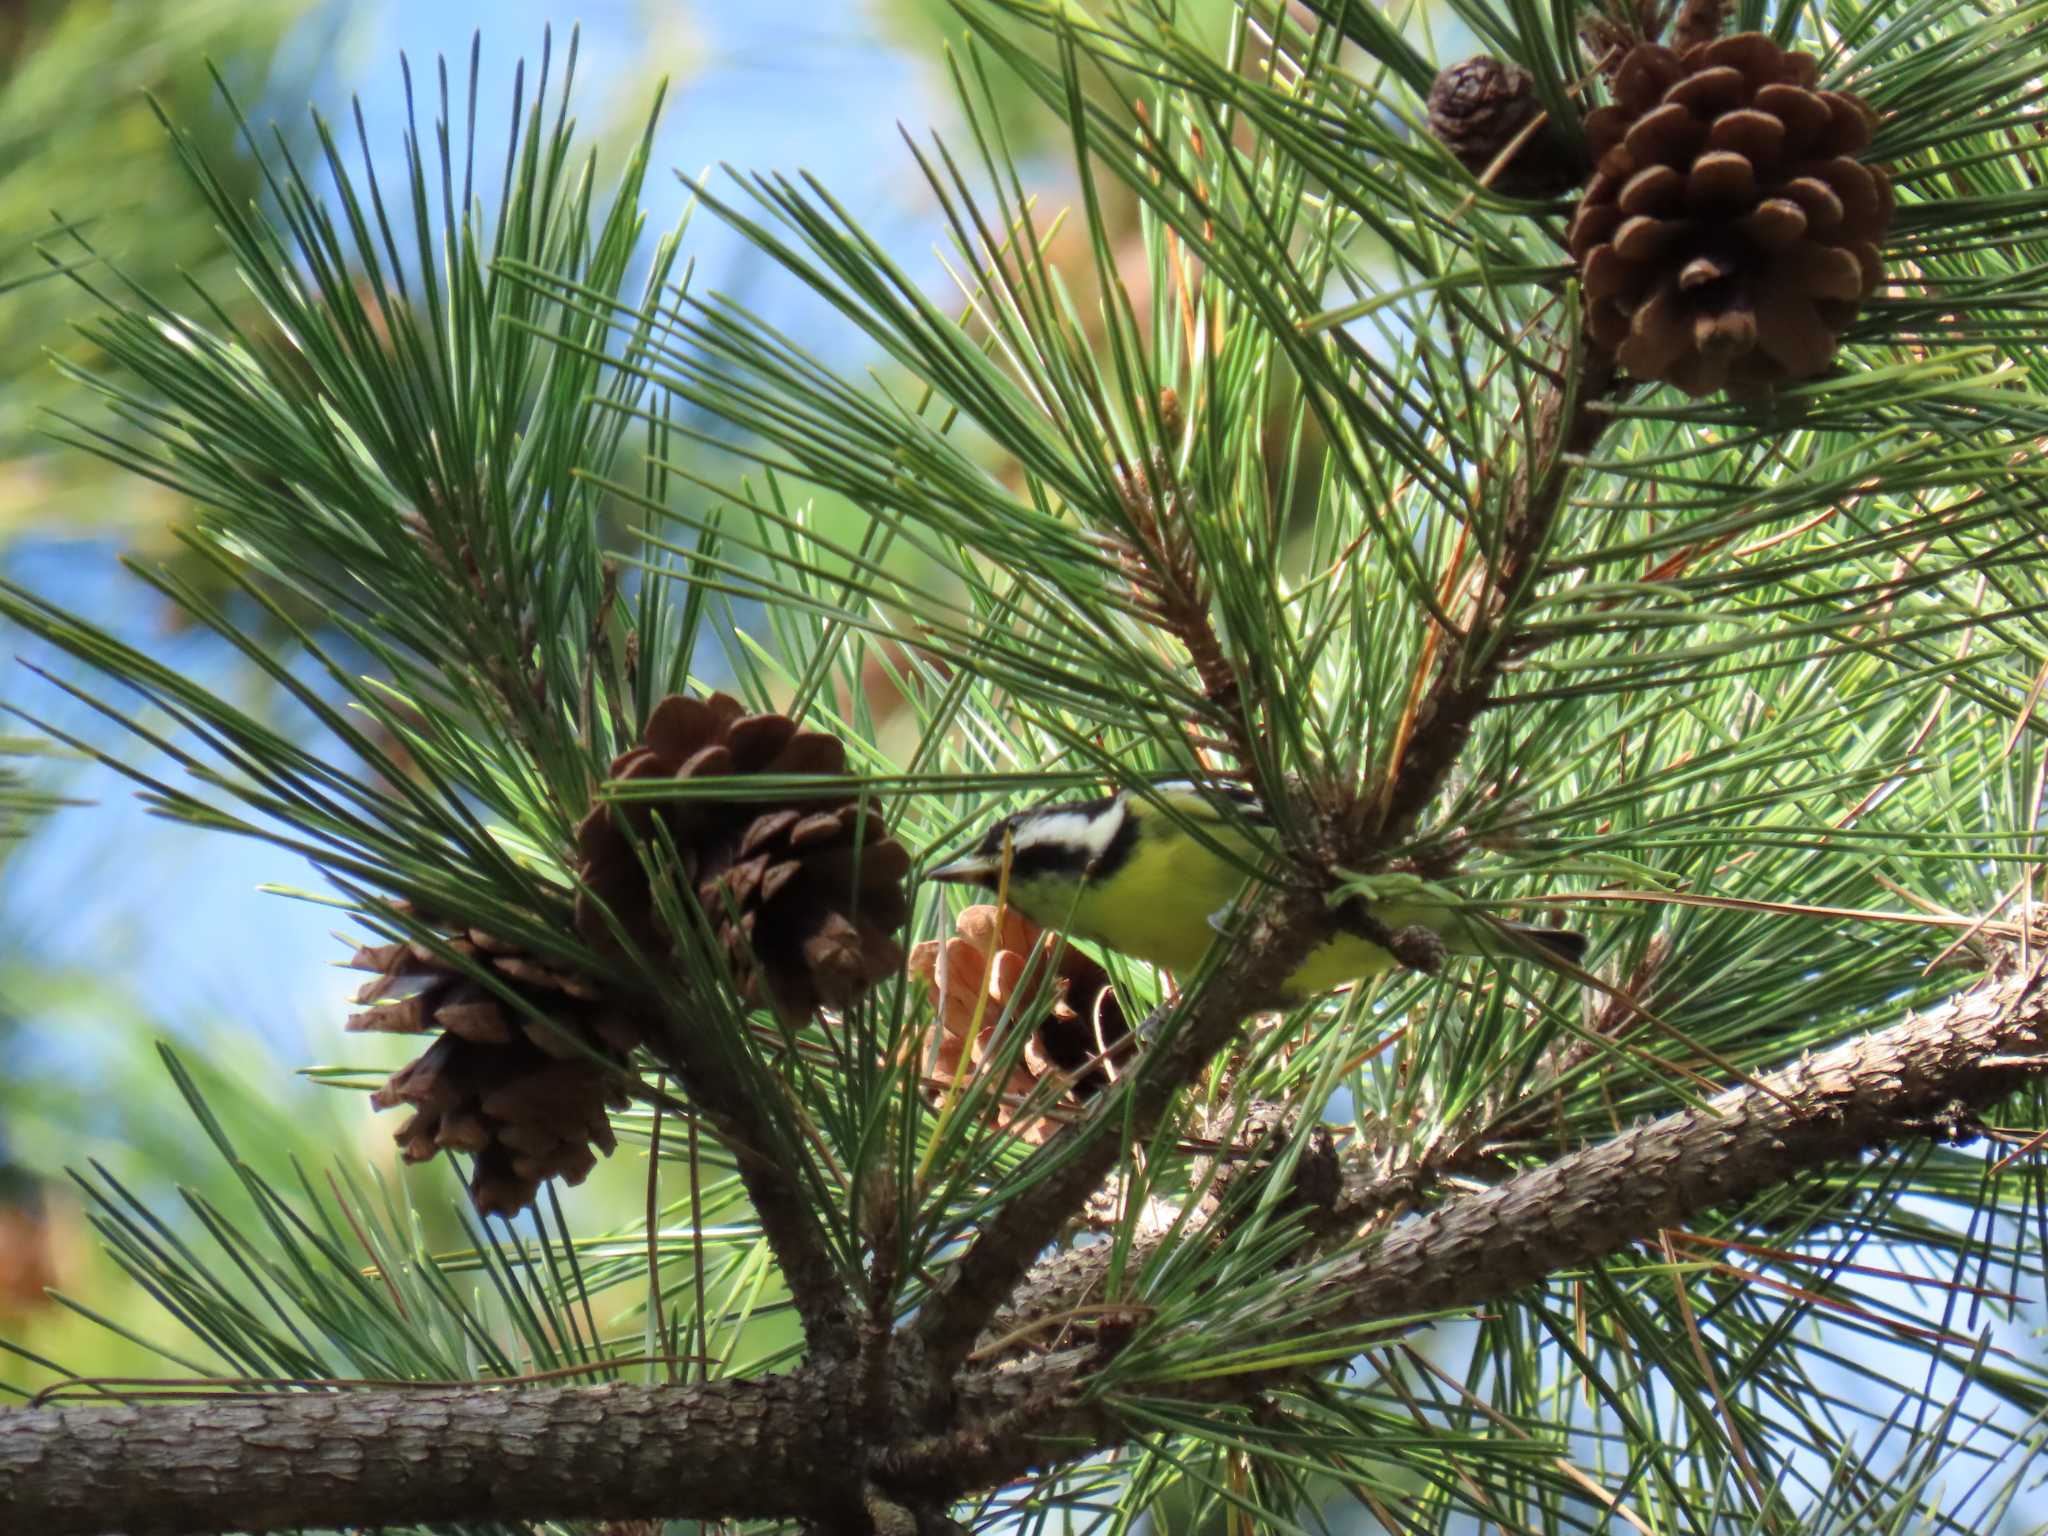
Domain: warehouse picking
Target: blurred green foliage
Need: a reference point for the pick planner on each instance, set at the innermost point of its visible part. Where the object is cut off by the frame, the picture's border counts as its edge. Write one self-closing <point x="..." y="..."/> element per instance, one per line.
<point x="85" y="166"/>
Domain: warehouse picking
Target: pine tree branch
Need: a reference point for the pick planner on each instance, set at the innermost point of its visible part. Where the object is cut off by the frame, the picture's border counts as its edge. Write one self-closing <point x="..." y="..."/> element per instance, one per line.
<point x="788" y="1215"/>
<point x="1469" y="666"/>
<point x="1569" y="423"/>
<point x="1925" y="1078"/>
<point x="1002" y="1254"/>
<point x="777" y="1447"/>
<point x="1075" y="1278"/>
<point x="352" y="1459"/>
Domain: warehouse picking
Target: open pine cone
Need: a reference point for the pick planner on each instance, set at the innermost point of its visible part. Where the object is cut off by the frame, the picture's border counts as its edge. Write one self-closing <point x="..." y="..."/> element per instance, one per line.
<point x="522" y="1097"/>
<point x="1079" y="1023"/>
<point x="1728" y="234"/>
<point x="803" y="893"/>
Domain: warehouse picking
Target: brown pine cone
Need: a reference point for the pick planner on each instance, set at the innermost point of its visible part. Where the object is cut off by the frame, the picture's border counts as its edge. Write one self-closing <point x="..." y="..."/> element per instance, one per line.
<point x="1728" y="235"/>
<point x="1480" y="107"/>
<point x="803" y="893"/>
<point x="1071" y="1037"/>
<point x="525" y="1097"/>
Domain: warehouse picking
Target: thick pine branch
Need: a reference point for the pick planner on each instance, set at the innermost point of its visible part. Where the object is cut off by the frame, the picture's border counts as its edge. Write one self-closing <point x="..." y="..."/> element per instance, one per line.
<point x="350" y="1459"/>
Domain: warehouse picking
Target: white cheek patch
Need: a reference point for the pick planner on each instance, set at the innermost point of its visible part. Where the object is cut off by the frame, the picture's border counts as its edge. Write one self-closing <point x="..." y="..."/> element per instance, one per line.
<point x="1071" y="829"/>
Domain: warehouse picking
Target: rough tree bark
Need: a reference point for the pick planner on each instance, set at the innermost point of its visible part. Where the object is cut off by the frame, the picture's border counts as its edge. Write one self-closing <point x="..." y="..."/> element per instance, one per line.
<point x="776" y="1446"/>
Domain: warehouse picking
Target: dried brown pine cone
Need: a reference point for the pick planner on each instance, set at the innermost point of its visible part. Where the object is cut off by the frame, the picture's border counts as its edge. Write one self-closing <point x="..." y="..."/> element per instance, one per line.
<point x="1480" y="107"/>
<point x="987" y="964"/>
<point x="1729" y="234"/>
<point x="803" y="892"/>
<point x="526" y="1098"/>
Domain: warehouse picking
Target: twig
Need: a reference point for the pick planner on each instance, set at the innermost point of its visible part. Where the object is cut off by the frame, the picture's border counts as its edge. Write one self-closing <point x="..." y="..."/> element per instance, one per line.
<point x="720" y="1095"/>
<point x="1468" y="665"/>
<point x="654" y="1220"/>
<point x="1293" y="922"/>
<point x="1164" y="569"/>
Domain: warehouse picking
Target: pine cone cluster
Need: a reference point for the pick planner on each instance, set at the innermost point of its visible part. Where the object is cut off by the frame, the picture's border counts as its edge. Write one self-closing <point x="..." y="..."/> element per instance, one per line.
<point x="803" y="894"/>
<point x="525" y="1099"/>
<point x="1729" y="233"/>
<point x="985" y="966"/>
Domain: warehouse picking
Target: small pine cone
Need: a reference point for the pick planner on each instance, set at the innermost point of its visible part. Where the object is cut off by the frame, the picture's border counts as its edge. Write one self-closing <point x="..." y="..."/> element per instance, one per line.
<point x="517" y="1094"/>
<point x="1072" y="1039"/>
<point x="1698" y="21"/>
<point x="803" y="893"/>
<point x="1729" y="234"/>
<point x="1478" y="108"/>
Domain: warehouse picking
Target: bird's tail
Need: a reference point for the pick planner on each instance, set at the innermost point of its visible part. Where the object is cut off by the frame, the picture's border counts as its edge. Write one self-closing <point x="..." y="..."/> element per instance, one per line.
<point x="1562" y="942"/>
<point x="1468" y="933"/>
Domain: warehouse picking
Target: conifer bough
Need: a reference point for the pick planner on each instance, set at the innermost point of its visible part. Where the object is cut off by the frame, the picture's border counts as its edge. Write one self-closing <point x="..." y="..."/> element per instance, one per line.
<point x="776" y="1446"/>
<point x="1517" y="536"/>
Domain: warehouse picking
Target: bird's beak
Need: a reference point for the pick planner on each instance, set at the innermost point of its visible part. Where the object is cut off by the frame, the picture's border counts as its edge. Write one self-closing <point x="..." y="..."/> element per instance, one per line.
<point x="970" y="869"/>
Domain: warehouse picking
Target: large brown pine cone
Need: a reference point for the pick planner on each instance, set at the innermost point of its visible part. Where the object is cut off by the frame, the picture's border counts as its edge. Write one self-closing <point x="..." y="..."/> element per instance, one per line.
<point x="1729" y="234"/>
<point x="525" y="1097"/>
<point x="974" y="977"/>
<point x="803" y="893"/>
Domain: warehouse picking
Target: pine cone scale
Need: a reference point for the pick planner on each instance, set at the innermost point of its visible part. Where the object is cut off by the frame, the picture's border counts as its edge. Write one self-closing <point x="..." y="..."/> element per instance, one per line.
<point x="810" y="752"/>
<point x="408" y="1016"/>
<point x="1791" y="330"/>
<point x="480" y="1019"/>
<point x="1776" y="223"/>
<point x="766" y="829"/>
<point x="818" y="829"/>
<point x="1709" y="93"/>
<point x="757" y="740"/>
<point x="1656" y="192"/>
<point x="1644" y="76"/>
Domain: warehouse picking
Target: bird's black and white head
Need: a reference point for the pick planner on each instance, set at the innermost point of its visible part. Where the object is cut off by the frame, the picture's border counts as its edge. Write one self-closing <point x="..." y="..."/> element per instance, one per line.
<point x="1066" y="842"/>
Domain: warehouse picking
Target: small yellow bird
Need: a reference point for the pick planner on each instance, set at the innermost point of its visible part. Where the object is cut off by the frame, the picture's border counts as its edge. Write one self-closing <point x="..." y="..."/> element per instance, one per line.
<point x="1129" y="872"/>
